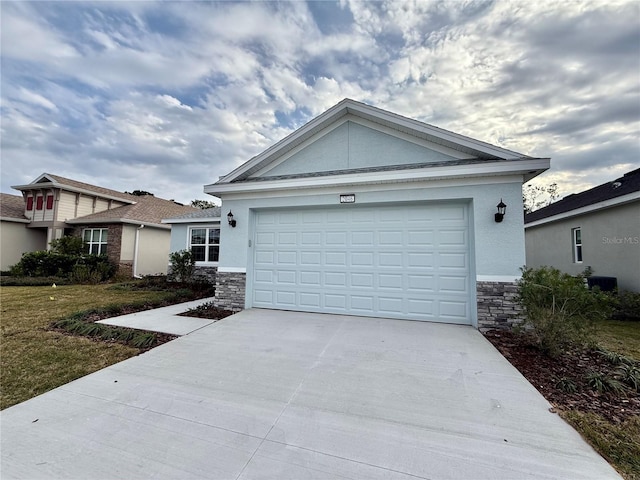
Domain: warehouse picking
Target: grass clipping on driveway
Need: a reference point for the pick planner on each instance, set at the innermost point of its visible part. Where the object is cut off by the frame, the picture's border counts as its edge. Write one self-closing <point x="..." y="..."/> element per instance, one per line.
<point x="35" y="359"/>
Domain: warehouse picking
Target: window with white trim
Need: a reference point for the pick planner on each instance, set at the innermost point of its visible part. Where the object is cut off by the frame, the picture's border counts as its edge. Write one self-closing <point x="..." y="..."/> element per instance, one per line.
<point x="204" y="244"/>
<point x="95" y="240"/>
<point x="576" y="234"/>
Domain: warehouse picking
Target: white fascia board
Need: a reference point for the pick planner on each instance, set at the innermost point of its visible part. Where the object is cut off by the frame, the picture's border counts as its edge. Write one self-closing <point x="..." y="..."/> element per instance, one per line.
<point x="613" y="202"/>
<point x="192" y="220"/>
<point x="411" y="175"/>
<point x="15" y="220"/>
<point x="128" y="221"/>
<point x="90" y="193"/>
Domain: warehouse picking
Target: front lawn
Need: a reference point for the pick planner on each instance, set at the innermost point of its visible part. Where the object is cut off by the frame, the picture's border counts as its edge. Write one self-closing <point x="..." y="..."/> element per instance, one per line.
<point x="35" y="359"/>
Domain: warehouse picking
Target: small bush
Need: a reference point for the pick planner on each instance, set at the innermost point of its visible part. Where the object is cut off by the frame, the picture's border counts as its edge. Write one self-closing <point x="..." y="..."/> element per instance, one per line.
<point x="183" y="266"/>
<point x="630" y="375"/>
<point x="559" y="309"/>
<point x="615" y="358"/>
<point x="567" y="385"/>
<point x="626" y="306"/>
<point x="603" y="383"/>
<point x="68" y="245"/>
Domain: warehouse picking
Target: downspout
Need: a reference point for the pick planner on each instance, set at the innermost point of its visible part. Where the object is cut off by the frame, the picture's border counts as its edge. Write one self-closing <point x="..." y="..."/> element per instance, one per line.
<point x="135" y="252"/>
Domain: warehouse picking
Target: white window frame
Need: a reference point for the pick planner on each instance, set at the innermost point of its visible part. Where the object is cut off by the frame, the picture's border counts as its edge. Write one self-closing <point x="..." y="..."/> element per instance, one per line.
<point x="100" y="242"/>
<point x="207" y="243"/>
<point x="577" y="244"/>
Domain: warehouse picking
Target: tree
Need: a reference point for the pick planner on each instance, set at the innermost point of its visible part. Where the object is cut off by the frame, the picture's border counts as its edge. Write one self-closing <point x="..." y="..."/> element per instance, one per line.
<point x="536" y="196"/>
<point x="140" y="193"/>
<point x="202" y="204"/>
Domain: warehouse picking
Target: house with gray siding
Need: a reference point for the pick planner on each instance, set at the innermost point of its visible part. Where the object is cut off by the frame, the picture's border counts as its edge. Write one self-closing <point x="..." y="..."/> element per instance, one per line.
<point x="598" y="228"/>
<point x="365" y="212"/>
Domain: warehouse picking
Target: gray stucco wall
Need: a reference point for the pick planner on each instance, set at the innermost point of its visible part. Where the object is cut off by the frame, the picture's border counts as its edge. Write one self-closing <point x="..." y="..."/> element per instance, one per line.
<point x="610" y="244"/>
<point x="498" y="247"/>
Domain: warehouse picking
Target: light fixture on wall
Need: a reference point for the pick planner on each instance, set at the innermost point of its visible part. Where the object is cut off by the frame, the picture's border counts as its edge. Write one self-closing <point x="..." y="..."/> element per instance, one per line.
<point x="232" y="222"/>
<point x="501" y="209"/>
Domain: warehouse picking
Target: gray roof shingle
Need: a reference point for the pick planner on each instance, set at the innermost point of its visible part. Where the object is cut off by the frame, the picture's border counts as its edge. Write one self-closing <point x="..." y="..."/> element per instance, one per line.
<point x="629" y="183"/>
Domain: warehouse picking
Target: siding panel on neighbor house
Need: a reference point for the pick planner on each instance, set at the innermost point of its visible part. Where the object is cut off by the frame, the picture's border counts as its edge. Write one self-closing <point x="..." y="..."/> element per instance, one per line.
<point x="16" y="239"/>
<point x="101" y="205"/>
<point x="66" y="206"/>
<point x="153" y="251"/>
<point x="352" y="145"/>
<point x="85" y="206"/>
<point x="610" y="244"/>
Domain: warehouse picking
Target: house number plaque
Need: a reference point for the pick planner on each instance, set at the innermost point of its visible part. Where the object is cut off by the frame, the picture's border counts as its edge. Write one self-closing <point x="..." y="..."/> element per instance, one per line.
<point x="348" y="198"/>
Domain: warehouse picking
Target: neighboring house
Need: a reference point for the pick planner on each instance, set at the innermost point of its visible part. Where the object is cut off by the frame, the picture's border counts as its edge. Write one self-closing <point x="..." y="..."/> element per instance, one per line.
<point x="126" y="227"/>
<point x="598" y="228"/>
<point x="15" y="239"/>
<point x="199" y="232"/>
<point x="365" y="212"/>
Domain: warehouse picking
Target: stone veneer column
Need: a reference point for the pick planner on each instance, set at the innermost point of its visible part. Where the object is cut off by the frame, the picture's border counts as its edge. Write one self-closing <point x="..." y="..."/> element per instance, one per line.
<point x="230" y="289"/>
<point x="497" y="305"/>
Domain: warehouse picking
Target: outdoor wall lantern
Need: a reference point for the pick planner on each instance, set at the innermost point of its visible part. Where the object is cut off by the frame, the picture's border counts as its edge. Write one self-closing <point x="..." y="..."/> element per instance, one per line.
<point x="232" y="222"/>
<point x="501" y="209"/>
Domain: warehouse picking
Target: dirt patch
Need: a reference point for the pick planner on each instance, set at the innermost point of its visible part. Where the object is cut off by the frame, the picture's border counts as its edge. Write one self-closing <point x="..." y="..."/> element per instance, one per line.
<point x="208" y="311"/>
<point x="545" y="374"/>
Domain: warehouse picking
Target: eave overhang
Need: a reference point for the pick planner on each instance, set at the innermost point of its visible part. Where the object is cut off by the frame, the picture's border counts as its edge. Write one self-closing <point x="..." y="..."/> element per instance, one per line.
<point x="528" y="168"/>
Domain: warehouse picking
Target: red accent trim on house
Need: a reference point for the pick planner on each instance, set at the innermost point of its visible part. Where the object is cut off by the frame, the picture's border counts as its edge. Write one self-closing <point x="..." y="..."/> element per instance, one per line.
<point x="39" y="202"/>
<point x="49" y="202"/>
<point x="29" y="203"/>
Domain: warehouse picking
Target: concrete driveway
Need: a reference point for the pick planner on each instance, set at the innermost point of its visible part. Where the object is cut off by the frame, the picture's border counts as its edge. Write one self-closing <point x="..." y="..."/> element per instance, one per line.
<point x="283" y="395"/>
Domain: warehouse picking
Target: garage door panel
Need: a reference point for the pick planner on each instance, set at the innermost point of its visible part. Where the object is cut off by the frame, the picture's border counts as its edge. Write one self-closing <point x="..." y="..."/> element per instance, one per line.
<point x="335" y="301"/>
<point x="336" y="259"/>
<point x="265" y="257"/>
<point x="310" y="300"/>
<point x="310" y="278"/>
<point x="335" y="279"/>
<point x="386" y="280"/>
<point x="399" y="262"/>
<point x="452" y="260"/>
<point x="287" y="277"/>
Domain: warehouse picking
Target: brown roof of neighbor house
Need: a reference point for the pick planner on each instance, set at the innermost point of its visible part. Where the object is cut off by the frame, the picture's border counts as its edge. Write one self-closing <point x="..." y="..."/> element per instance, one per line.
<point x="12" y="206"/>
<point x="74" y="185"/>
<point x="629" y="183"/>
<point x="147" y="209"/>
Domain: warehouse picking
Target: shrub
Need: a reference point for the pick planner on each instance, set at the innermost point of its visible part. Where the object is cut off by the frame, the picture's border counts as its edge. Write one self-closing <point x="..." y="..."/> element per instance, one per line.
<point x="68" y="245"/>
<point x="604" y="383"/>
<point x="183" y="265"/>
<point x="559" y="309"/>
<point x="626" y="306"/>
<point x="78" y="268"/>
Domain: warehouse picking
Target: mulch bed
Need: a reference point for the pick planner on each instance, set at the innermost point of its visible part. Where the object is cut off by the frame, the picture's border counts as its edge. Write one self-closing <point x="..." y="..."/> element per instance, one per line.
<point x="207" y="311"/>
<point x="544" y="372"/>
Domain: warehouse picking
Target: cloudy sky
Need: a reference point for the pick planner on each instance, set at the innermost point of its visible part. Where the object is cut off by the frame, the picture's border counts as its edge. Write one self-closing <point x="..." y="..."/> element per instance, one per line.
<point x="167" y="97"/>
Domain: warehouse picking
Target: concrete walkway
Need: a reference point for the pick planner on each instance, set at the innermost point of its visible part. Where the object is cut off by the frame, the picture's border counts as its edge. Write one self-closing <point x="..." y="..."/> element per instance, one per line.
<point x="164" y="319"/>
<point x="284" y="395"/>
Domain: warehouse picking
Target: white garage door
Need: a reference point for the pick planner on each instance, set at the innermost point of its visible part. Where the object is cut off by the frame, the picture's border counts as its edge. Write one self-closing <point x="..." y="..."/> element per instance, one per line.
<point x="409" y="261"/>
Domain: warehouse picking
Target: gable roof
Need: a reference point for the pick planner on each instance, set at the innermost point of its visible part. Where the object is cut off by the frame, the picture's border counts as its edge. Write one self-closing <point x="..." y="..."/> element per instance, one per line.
<point x="611" y="193"/>
<point x="47" y="180"/>
<point x="148" y="210"/>
<point x="201" y="215"/>
<point x="12" y="208"/>
<point x="469" y="148"/>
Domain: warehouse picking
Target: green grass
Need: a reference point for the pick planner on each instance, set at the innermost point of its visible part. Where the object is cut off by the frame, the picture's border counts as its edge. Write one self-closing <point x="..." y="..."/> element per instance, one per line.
<point x="619" y="444"/>
<point x="33" y="359"/>
<point x="621" y="337"/>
